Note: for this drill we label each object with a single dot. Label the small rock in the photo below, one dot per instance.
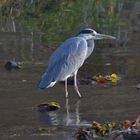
(24, 80)
(11, 64)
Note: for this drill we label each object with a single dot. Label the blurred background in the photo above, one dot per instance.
(33, 27)
(30, 30)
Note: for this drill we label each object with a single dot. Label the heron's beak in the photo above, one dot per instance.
(103, 36)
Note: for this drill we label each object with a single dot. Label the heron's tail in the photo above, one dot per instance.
(46, 81)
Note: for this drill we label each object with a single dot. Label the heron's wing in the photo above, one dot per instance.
(66, 59)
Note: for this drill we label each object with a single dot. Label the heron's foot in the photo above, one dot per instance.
(80, 96)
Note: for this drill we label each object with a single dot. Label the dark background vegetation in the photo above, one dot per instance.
(56, 20)
(32, 26)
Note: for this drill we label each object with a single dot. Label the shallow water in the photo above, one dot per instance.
(19, 95)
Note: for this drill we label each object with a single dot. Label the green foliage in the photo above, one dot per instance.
(60, 19)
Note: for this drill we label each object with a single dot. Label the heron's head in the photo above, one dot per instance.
(92, 34)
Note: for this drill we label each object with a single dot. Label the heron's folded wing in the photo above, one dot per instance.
(67, 58)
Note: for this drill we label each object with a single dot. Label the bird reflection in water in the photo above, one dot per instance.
(49, 118)
(59, 118)
(70, 119)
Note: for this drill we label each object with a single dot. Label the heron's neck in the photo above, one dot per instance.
(86, 36)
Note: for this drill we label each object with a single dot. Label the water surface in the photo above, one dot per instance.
(19, 95)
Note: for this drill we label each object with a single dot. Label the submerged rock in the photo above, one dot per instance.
(99, 79)
(85, 81)
(83, 134)
(47, 107)
(126, 130)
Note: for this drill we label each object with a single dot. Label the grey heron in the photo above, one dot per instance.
(69, 57)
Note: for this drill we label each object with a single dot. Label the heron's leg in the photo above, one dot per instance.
(66, 88)
(75, 84)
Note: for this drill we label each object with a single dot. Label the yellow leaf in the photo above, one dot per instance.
(114, 75)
